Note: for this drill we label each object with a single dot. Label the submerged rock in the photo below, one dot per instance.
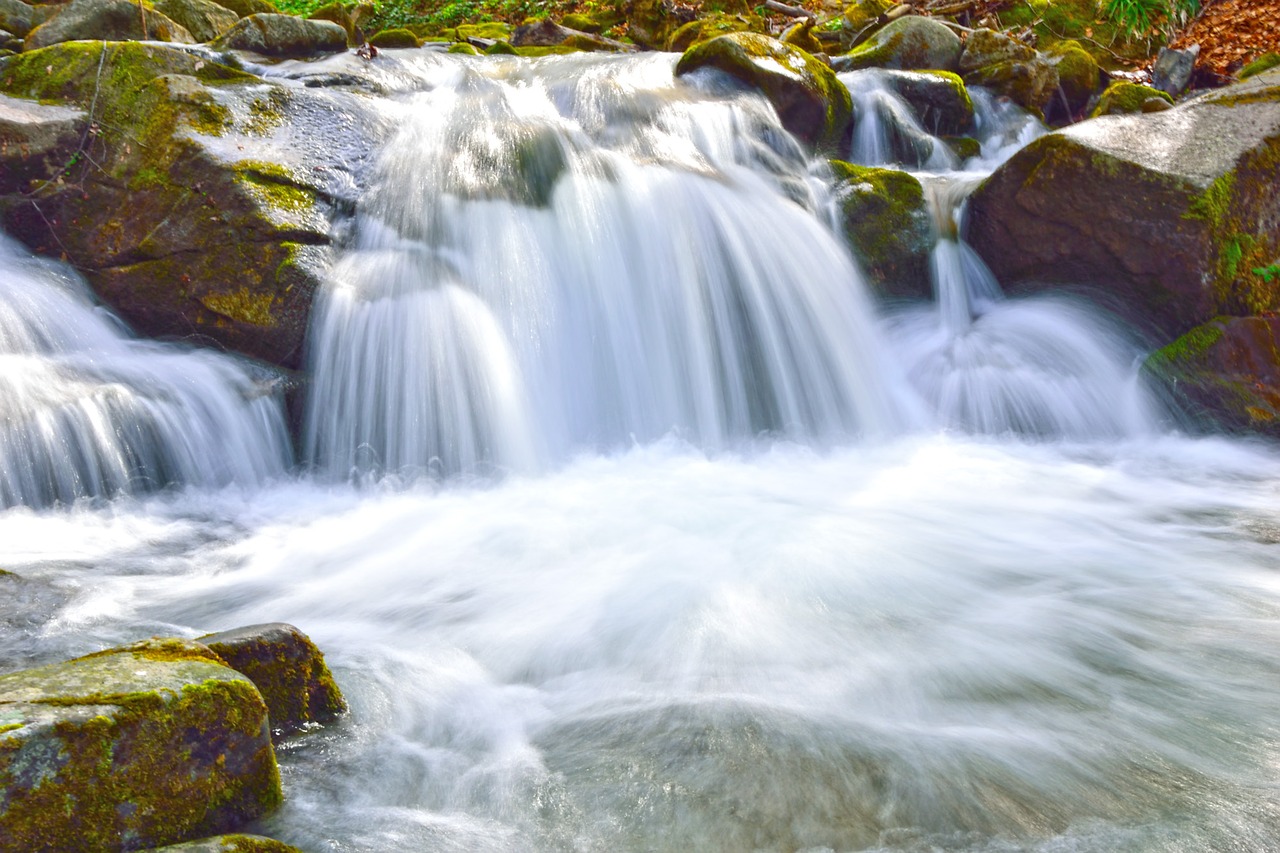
(229, 844)
(912, 43)
(113, 20)
(887, 222)
(288, 670)
(810, 101)
(283, 35)
(1169, 216)
(150, 744)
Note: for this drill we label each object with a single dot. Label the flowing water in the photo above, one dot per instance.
(630, 521)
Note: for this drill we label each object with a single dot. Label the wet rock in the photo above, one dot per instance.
(1173, 68)
(283, 35)
(212, 211)
(810, 101)
(36, 141)
(910, 43)
(113, 20)
(150, 744)
(204, 19)
(1169, 218)
(1124, 97)
(1227, 370)
(288, 670)
(16, 17)
(938, 98)
(1079, 78)
(229, 844)
(887, 223)
(988, 47)
(1030, 84)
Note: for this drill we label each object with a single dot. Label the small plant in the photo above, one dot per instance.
(1139, 18)
(1269, 272)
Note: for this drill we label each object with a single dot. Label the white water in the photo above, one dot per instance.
(658, 631)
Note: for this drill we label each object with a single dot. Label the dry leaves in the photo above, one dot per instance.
(1232, 33)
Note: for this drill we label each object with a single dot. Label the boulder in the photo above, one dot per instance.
(1167, 216)
(938, 98)
(229, 844)
(1030, 83)
(141, 746)
(211, 214)
(347, 17)
(245, 8)
(1078, 79)
(16, 17)
(909, 43)
(1173, 68)
(650, 23)
(1227, 370)
(283, 35)
(887, 223)
(1124, 97)
(712, 26)
(811, 103)
(37, 141)
(204, 19)
(987, 47)
(394, 38)
(112, 20)
(801, 35)
(288, 670)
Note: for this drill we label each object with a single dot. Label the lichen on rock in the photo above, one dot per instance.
(887, 223)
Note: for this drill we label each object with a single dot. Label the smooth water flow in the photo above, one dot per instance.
(768, 569)
(89, 412)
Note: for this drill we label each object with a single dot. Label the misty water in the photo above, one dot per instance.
(629, 519)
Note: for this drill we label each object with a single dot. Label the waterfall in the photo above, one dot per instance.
(88, 412)
(588, 260)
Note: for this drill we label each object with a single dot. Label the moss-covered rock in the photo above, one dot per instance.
(650, 23)
(939, 99)
(1123, 97)
(1263, 63)
(348, 17)
(283, 35)
(861, 14)
(801, 35)
(887, 223)
(463, 48)
(1170, 215)
(287, 669)
(491, 31)
(810, 101)
(547, 33)
(500, 48)
(1227, 370)
(150, 744)
(712, 26)
(229, 844)
(245, 8)
(909, 43)
(1030, 84)
(204, 19)
(1079, 75)
(394, 38)
(595, 21)
(988, 47)
(113, 20)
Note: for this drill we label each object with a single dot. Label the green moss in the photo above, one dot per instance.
(1055, 21)
(964, 147)
(888, 225)
(545, 50)
(1078, 72)
(8, 727)
(464, 48)
(909, 43)
(492, 30)
(861, 13)
(242, 306)
(275, 185)
(704, 29)
(394, 38)
(1125, 97)
(500, 48)
(1263, 63)
(1185, 350)
(266, 113)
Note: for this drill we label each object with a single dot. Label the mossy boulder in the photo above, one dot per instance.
(887, 223)
(36, 141)
(229, 844)
(1227, 370)
(650, 23)
(490, 31)
(283, 35)
(810, 101)
(594, 22)
(150, 744)
(939, 99)
(112, 20)
(463, 48)
(1263, 63)
(1167, 216)
(202, 208)
(910, 43)
(348, 17)
(288, 670)
(204, 19)
(16, 17)
(394, 38)
(1079, 76)
(801, 35)
(245, 8)
(501, 48)
(1030, 84)
(988, 47)
(712, 26)
(1123, 97)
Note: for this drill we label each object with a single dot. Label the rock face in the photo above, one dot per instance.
(205, 220)
(910, 43)
(114, 20)
(888, 224)
(288, 670)
(135, 747)
(36, 141)
(283, 35)
(1171, 217)
(810, 101)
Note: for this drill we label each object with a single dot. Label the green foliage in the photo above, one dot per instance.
(1138, 18)
(1268, 273)
(302, 8)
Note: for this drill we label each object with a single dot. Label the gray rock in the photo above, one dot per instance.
(1173, 69)
(16, 17)
(110, 20)
(204, 19)
(37, 141)
(1165, 216)
(1029, 83)
(283, 35)
(146, 745)
(288, 669)
(939, 99)
(909, 43)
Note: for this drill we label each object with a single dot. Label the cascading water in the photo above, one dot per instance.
(91, 413)
(930, 641)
